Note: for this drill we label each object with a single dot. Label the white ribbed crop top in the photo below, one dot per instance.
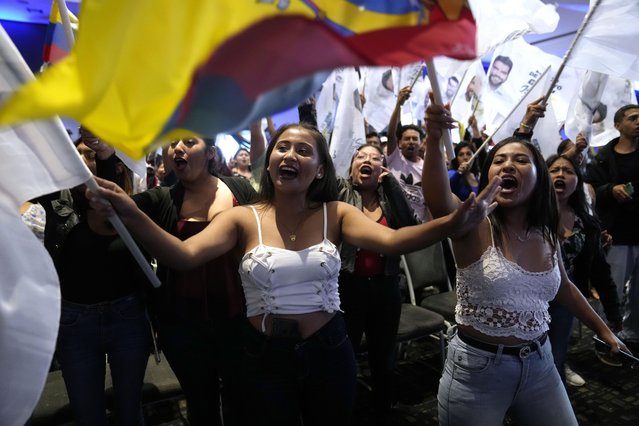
(281, 281)
(499, 298)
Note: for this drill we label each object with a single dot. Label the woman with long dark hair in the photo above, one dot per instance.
(369, 281)
(509, 268)
(298, 362)
(583, 256)
(197, 312)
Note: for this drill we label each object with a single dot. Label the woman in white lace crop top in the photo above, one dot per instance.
(289, 273)
(509, 268)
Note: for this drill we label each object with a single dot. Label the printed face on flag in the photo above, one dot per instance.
(499, 71)
(380, 96)
(515, 68)
(468, 102)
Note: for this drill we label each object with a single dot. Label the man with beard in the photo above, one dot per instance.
(405, 163)
(614, 174)
(502, 65)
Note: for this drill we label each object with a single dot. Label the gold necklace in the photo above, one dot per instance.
(292, 235)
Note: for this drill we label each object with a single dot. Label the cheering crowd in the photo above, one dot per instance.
(273, 268)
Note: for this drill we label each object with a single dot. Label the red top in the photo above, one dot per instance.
(212, 290)
(369, 263)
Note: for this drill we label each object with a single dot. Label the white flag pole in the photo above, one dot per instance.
(437, 95)
(581, 29)
(92, 184)
(128, 241)
(483, 145)
(66, 22)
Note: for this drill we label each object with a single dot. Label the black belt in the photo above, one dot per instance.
(521, 350)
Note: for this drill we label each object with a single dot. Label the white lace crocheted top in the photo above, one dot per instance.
(499, 298)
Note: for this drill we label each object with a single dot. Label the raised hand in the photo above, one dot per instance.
(535, 110)
(475, 209)
(437, 119)
(404, 94)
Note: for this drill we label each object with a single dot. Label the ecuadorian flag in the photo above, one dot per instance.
(56, 46)
(145, 71)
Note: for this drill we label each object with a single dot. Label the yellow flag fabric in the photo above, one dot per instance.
(134, 61)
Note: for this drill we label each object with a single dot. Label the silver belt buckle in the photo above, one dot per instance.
(525, 351)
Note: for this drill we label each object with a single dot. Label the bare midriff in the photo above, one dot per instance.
(495, 340)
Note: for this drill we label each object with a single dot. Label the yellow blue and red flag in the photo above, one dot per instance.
(163, 68)
(56, 45)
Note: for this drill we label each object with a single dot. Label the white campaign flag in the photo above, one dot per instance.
(449, 75)
(534, 90)
(609, 42)
(348, 131)
(546, 132)
(566, 87)
(381, 95)
(514, 68)
(37, 158)
(326, 104)
(584, 102)
(594, 105)
(500, 21)
(467, 101)
(414, 108)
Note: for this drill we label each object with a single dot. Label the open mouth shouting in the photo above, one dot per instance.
(288, 172)
(560, 185)
(508, 184)
(180, 163)
(365, 171)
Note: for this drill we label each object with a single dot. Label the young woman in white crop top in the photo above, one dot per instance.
(509, 268)
(298, 361)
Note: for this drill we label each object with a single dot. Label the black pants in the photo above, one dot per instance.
(373, 306)
(290, 381)
(201, 353)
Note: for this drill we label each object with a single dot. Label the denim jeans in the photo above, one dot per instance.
(373, 306)
(624, 266)
(288, 381)
(478, 387)
(561, 325)
(201, 353)
(118, 329)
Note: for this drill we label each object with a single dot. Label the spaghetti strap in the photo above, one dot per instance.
(324, 220)
(259, 226)
(492, 237)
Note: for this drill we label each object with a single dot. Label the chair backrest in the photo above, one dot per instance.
(425, 268)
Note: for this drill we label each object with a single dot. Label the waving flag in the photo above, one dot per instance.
(37, 158)
(213, 66)
(594, 105)
(56, 46)
(609, 42)
(349, 132)
(501, 21)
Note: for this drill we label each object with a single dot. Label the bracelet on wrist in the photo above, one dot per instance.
(524, 125)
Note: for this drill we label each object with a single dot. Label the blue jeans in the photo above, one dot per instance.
(624, 266)
(287, 380)
(120, 330)
(559, 335)
(478, 387)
